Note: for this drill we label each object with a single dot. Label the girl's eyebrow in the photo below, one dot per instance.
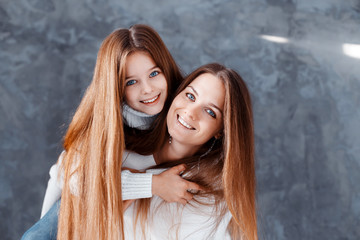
(153, 68)
(127, 77)
(211, 104)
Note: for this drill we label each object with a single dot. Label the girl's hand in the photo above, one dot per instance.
(171, 187)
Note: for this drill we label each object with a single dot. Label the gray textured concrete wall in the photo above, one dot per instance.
(306, 96)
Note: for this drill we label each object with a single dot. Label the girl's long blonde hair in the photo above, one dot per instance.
(228, 171)
(95, 140)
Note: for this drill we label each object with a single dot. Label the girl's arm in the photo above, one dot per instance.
(54, 187)
(135, 185)
(167, 184)
(53, 192)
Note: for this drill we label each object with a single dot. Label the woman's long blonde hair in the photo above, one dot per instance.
(228, 170)
(95, 140)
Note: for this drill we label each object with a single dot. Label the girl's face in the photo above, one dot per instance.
(145, 84)
(196, 114)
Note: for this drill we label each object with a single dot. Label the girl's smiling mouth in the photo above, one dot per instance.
(151, 100)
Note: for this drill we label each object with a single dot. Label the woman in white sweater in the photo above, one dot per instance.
(210, 129)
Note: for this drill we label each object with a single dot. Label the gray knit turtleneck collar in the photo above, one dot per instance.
(136, 119)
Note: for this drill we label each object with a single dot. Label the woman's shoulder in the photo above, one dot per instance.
(134, 160)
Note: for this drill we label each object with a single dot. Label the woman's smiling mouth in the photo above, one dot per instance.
(184, 123)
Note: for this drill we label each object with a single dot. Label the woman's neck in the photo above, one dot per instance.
(174, 151)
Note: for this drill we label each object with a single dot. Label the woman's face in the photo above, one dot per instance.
(196, 114)
(145, 84)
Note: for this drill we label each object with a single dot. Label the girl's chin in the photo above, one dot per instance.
(152, 111)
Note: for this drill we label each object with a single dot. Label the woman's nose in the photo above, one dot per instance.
(192, 111)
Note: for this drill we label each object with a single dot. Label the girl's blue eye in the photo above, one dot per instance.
(211, 113)
(190, 96)
(154, 73)
(130, 82)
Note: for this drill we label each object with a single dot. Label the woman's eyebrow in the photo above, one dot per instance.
(193, 90)
(214, 106)
(211, 104)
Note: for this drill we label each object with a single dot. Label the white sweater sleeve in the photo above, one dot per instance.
(137, 185)
(53, 190)
(134, 186)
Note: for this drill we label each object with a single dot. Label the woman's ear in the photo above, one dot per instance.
(218, 135)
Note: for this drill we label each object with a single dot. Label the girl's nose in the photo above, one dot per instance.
(146, 87)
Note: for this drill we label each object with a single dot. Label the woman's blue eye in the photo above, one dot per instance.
(211, 113)
(130, 82)
(154, 73)
(190, 96)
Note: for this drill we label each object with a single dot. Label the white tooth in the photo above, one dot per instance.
(185, 124)
(151, 100)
